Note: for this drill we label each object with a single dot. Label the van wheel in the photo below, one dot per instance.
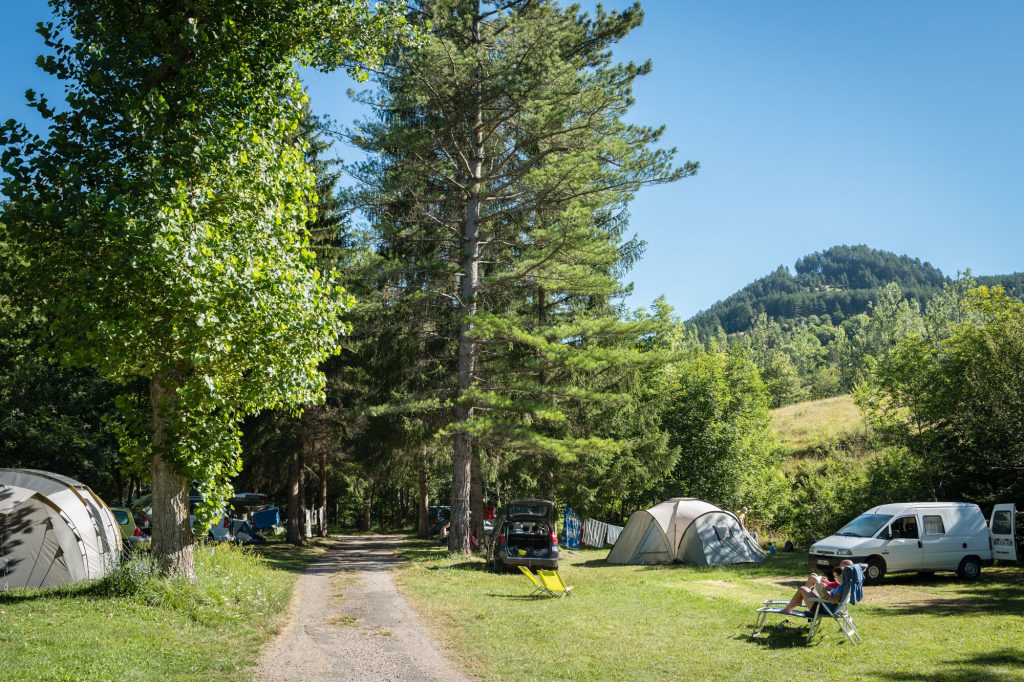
(970, 568)
(875, 572)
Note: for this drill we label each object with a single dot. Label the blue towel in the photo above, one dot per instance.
(857, 592)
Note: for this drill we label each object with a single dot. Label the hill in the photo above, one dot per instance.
(838, 282)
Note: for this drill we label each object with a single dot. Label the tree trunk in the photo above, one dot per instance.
(458, 538)
(476, 496)
(297, 496)
(322, 528)
(172, 531)
(422, 523)
(364, 522)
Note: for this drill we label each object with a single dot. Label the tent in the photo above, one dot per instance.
(53, 530)
(684, 529)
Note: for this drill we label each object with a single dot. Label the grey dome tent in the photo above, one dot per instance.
(684, 529)
(53, 530)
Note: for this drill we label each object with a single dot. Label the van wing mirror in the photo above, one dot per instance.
(886, 534)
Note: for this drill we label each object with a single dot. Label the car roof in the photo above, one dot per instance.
(900, 507)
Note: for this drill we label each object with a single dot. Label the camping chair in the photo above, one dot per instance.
(553, 583)
(538, 586)
(821, 608)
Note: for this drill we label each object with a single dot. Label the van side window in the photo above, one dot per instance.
(905, 527)
(933, 526)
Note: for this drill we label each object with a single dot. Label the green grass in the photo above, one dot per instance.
(131, 626)
(817, 426)
(694, 623)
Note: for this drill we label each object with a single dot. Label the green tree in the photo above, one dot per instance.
(161, 221)
(501, 144)
(955, 400)
(720, 421)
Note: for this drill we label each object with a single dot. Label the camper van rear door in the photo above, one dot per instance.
(1001, 528)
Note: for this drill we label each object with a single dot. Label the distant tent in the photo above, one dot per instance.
(53, 530)
(684, 529)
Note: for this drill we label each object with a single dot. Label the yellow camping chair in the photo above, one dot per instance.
(553, 583)
(538, 586)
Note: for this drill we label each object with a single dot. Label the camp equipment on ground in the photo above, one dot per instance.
(684, 529)
(53, 530)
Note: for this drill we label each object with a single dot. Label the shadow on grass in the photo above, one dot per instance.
(461, 566)
(282, 556)
(997, 665)
(775, 637)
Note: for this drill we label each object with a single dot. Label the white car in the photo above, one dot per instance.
(923, 537)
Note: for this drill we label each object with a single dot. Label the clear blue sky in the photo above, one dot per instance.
(893, 124)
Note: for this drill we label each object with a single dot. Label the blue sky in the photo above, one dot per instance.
(893, 124)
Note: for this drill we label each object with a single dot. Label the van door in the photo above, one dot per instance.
(903, 551)
(1001, 528)
(941, 553)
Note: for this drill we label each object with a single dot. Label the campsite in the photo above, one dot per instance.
(454, 340)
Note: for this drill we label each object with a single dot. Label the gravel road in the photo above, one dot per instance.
(347, 621)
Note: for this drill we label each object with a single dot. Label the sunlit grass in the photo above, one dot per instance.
(694, 623)
(134, 626)
(815, 426)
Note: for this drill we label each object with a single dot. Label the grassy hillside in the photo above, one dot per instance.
(816, 427)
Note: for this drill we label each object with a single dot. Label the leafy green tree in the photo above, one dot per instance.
(720, 421)
(500, 144)
(955, 402)
(160, 223)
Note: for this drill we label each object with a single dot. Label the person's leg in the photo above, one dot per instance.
(797, 599)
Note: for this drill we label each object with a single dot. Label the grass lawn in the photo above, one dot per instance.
(694, 623)
(130, 628)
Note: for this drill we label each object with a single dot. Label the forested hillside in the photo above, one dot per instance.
(839, 282)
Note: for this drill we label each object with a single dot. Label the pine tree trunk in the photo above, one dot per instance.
(458, 538)
(322, 528)
(171, 532)
(423, 522)
(364, 522)
(296, 496)
(476, 496)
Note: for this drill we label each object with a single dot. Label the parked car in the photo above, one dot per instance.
(921, 536)
(134, 528)
(437, 517)
(524, 535)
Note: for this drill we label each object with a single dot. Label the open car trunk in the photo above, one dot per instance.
(531, 539)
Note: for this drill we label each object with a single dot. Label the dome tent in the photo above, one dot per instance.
(53, 530)
(684, 529)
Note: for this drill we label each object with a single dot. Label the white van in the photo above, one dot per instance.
(923, 537)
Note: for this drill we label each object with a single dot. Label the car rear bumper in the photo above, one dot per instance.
(529, 562)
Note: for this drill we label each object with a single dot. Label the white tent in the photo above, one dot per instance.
(684, 529)
(53, 530)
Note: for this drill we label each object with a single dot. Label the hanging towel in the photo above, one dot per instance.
(613, 534)
(594, 532)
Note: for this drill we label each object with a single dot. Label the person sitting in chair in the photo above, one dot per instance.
(807, 594)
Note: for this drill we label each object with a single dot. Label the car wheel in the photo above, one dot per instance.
(970, 568)
(875, 572)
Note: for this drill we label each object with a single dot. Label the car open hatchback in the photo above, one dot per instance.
(524, 535)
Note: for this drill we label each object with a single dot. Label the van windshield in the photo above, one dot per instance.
(864, 526)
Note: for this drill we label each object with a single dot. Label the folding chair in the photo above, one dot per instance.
(853, 578)
(553, 583)
(538, 586)
(820, 609)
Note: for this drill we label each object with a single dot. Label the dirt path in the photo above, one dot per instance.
(347, 621)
